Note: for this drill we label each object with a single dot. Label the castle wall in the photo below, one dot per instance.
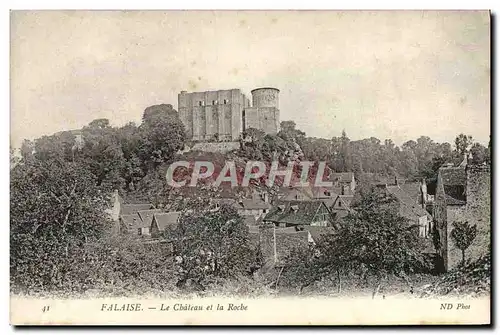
(222, 115)
(265, 97)
(211, 114)
(216, 146)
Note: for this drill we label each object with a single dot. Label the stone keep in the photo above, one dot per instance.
(223, 115)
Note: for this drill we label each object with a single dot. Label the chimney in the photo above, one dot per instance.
(265, 195)
(396, 181)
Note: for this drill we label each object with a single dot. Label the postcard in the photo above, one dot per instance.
(250, 167)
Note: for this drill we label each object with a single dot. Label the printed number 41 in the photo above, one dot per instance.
(45, 309)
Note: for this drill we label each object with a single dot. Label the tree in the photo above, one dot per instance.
(288, 131)
(55, 208)
(99, 124)
(102, 154)
(210, 245)
(480, 154)
(463, 234)
(462, 143)
(301, 268)
(57, 146)
(374, 236)
(14, 157)
(130, 140)
(163, 134)
(345, 152)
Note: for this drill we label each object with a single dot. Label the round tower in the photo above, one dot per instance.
(265, 97)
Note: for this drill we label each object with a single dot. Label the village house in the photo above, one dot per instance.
(344, 183)
(325, 194)
(462, 195)
(417, 191)
(257, 206)
(130, 224)
(146, 217)
(410, 209)
(127, 209)
(161, 221)
(298, 213)
(295, 194)
(381, 181)
(341, 207)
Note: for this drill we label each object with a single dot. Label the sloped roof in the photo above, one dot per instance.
(147, 216)
(329, 202)
(453, 175)
(380, 180)
(164, 220)
(252, 204)
(412, 189)
(338, 214)
(342, 177)
(317, 232)
(408, 208)
(452, 201)
(249, 220)
(303, 214)
(134, 208)
(324, 193)
(454, 180)
(455, 193)
(290, 193)
(346, 200)
(131, 221)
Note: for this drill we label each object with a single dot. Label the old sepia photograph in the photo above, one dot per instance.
(225, 167)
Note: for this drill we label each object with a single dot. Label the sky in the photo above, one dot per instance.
(397, 75)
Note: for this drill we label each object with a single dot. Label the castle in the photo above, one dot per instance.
(223, 115)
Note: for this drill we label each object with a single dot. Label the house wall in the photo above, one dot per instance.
(453, 254)
(255, 212)
(478, 209)
(424, 228)
(145, 231)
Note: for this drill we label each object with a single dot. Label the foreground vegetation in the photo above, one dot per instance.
(62, 241)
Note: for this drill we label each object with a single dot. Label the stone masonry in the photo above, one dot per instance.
(223, 115)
